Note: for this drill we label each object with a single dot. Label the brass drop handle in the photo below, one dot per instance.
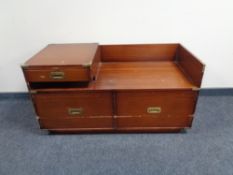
(75, 111)
(154, 110)
(57, 75)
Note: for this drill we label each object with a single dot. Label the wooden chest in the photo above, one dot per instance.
(114, 88)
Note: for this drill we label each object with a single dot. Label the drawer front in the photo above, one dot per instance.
(162, 121)
(77, 123)
(156, 103)
(73, 104)
(61, 75)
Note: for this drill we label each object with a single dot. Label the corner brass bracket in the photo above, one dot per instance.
(33, 92)
(24, 65)
(195, 89)
(87, 64)
(203, 69)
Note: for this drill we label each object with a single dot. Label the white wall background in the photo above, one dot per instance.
(204, 26)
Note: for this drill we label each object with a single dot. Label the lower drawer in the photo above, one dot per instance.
(156, 103)
(118, 122)
(73, 104)
(162, 121)
(71, 123)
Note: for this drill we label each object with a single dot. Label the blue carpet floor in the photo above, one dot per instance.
(205, 149)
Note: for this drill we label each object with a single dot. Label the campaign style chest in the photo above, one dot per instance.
(114, 88)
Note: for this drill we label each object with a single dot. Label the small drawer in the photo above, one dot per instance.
(57, 75)
(156, 103)
(73, 104)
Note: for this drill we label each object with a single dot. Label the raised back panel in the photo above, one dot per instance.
(139, 52)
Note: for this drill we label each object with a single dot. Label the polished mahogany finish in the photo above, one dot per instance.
(70, 74)
(57, 105)
(172, 103)
(139, 52)
(141, 75)
(64, 55)
(114, 88)
(191, 66)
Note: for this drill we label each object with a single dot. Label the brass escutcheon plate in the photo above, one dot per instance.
(75, 111)
(154, 110)
(57, 75)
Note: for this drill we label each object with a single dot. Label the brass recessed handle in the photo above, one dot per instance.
(154, 110)
(75, 111)
(57, 75)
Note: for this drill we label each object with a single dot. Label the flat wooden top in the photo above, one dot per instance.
(64, 54)
(140, 75)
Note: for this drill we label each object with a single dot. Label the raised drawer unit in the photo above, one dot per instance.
(63, 63)
(114, 88)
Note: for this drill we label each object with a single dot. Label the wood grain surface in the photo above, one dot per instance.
(141, 75)
(192, 67)
(172, 103)
(138, 52)
(70, 74)
(64, 54)
(57, 105)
